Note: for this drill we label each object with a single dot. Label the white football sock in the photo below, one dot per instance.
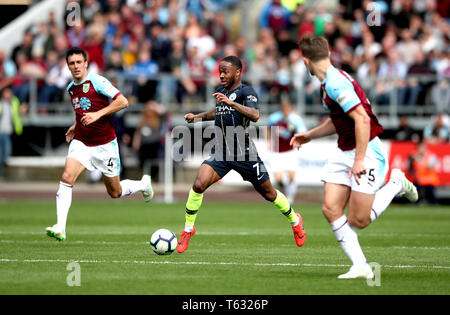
(63, 202)
(291, 190)
(130, 187)
(383, 198)
(348, 239)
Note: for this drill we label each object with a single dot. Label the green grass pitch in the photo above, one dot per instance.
(239, 249)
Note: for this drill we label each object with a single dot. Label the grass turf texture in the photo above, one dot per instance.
(240, 248)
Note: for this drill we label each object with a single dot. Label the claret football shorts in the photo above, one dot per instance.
(104, 158)
(376, 163)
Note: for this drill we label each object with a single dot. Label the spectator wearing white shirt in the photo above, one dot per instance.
(392, 74)
(205, 44)
(407, 48)
(56, 79)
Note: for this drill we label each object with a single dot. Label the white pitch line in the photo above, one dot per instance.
(224, 244)
(8, 260)
(421, 247)
(73, 242)
(236, 233)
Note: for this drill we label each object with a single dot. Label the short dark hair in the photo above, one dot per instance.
(75, 51)
(314, 47)
(235, 61)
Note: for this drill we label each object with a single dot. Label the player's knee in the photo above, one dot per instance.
(114, 193)
(67, 178)
(328, 212)
(199, 186)
(270, 194)
(359, 221)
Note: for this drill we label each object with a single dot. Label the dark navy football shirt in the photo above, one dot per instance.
(232, 128)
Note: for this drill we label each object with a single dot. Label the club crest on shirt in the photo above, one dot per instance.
(86, 87)
(232, 97)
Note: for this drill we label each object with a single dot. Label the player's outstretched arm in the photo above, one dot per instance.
(323, 130)
(299, 139)
(209, 115)
(119, 103)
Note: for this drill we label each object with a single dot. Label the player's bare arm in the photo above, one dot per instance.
(325, 129)
(209, 115)
(70, 133)
(116, 105)
(362, 136)
(249, 112)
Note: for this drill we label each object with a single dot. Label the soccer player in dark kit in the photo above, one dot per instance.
(236, 106)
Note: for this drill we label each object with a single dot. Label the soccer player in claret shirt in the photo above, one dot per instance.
(357, 169)
(236, 106)
(92, 138)
(283, 124)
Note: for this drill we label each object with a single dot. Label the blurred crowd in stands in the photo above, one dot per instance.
(398, 50)
(408, 54)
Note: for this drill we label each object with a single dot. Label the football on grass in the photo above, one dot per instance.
(163, 242)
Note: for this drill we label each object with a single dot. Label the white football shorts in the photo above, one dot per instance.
(283, 161)
(104, 158)
(376, 162)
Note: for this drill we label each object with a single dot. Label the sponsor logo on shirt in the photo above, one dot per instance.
(345, 97)
(85, 103)
(224, 109)
(76, 102)
(252, 98)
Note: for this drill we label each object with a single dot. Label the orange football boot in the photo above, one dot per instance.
(299, 232)
(184, 239)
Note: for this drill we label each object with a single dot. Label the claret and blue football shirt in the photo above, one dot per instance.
(91, 95)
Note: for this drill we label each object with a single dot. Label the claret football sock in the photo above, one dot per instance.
(192, 205)
(282, 203)
(63, 202)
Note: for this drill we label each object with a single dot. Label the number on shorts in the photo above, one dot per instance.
(257, 168)
(371, 175)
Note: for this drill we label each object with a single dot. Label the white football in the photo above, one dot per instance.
(163, 242)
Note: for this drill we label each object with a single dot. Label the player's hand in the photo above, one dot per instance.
(70, 133)
(357, 170)
(89, 118)
(222, 98)
(299, 139)
(189, 117)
